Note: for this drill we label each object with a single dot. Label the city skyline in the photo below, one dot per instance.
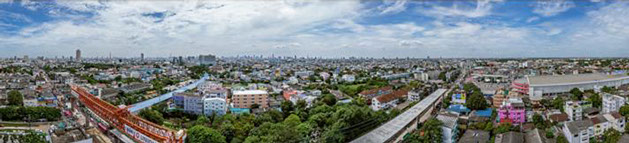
(485, 29)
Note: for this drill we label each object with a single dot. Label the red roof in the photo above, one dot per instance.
(374, 91)
(391, 96)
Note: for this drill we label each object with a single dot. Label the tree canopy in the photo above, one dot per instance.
(202, 134)
(15, 98)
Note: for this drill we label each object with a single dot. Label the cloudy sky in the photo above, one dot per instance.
(463, 28)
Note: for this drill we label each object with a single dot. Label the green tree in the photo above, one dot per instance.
(596, 100)
(549, 134)
(301, 104)
(561, 139)
(432, 132)
(15, 98)
(624, 110)
(152, 115)
(202, 120)
(202, 134)
(476, 101)
(627, 127)
(255, 106)
(538, 120)
(292, 121)
(329, 99)
(558, 103)
(287, 107)
(607, 89)
(611, 136)
(442, 76)
(576, 94)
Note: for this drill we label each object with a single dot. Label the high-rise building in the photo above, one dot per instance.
(78, 54)
(207, 60)
(142, 56)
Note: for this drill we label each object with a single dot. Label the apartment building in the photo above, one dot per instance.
(246, 98)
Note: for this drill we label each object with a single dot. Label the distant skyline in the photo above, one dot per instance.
(484, 28)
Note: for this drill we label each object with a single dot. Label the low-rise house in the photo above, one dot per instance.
(388, 100)
(579, 131)
(616, 121)
(600, 124)
(136, 87)
(449, 128)
(474, 136)
(510, 137)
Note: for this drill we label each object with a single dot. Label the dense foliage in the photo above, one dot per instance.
(475, 101)
(152, 115)
(296, 123)
(19, 113)
(429, 132)
(15, 98)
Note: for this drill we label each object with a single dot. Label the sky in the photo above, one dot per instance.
(331, 29)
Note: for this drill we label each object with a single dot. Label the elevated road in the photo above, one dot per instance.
(395, 129)
(148, 103)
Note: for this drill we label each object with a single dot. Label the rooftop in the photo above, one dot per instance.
(250, 92)
(572, 79)
(474, 136)
(577, 126)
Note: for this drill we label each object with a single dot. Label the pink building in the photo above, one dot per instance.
(512, 110)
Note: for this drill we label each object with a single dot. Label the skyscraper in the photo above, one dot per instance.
(78, 54)
(142, 56)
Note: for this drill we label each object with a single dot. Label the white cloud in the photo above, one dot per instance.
(552, 7)
(531, 19)
(390, 7)
(483, 8)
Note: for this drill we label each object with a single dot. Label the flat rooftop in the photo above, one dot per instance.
(571, 79)
(390, 128)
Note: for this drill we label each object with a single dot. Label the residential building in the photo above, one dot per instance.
(449, 127)
(348, 78)
(612, 102)
(579, 131)
(512, 110)
(214, 98)
(190, 102)
(574, 109)
(246, 98)
(510, 137)
(600, 125)
(475, 136)
(135, 87)
(458, 98)
(616, 121)
(388, 100)
(415, 95)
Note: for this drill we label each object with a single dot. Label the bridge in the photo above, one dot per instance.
(138, 129)
(395, 129)
(148, 103)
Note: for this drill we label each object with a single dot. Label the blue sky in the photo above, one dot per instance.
(483, 28)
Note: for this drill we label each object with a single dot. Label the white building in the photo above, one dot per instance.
(574, 110)
(449, 128)
(616, 121)
(579, 131)
(612, 102)
(348, 78)
(538, 86)
(414, 95)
